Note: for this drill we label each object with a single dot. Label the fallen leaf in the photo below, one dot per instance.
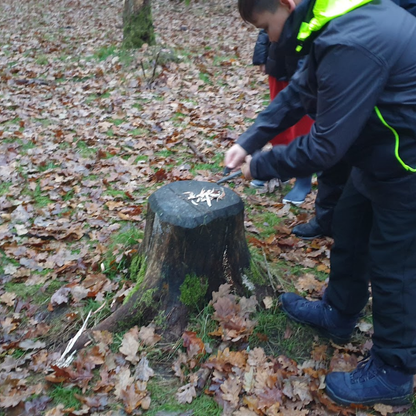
(8, 298)
(130, 345)
(268, 302)
(148, 337)
(186, 394)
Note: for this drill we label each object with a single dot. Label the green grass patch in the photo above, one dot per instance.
(104, 52)
(266, 223)
(42, 60)
(65, 395)
(163, 390)
(41, 200)
(271, 333)
(205, 77)
(164, 153)
(125, 57)
(34, 293)
(139, 132)
(115, 193)
(126, 238)
(85, 150)
(43, 167)
(26, 147)
(140, 158)
(203, 323)
(117, 122)
(4, 187)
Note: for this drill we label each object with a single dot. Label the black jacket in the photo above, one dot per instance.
(278, 66)
(363, 59)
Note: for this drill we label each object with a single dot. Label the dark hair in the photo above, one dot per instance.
(248, 8)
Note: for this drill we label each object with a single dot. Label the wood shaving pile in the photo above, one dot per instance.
(206, 196)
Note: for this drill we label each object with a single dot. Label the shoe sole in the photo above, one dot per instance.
(323, 332)
(297, 203)
(394, 401)
(312, 237)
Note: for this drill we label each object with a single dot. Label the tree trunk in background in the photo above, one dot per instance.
(137, 23)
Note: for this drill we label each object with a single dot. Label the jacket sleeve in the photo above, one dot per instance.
(261, 49)
(283, 112)
(349, 82)
(409, 5)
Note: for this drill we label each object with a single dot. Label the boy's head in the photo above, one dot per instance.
(269, 15)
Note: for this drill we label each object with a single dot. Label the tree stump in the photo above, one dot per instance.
(190, 248)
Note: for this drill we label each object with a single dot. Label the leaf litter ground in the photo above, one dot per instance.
(87, 132)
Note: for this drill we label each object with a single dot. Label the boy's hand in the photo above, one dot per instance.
(235, 157)
(262, 68)
(246, 168)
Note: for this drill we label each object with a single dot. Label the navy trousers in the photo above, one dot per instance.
(331, 183)
(377, 246)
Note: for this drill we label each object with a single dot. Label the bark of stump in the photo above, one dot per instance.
(182, 239)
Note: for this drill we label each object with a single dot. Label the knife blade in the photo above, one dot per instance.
(229, 177)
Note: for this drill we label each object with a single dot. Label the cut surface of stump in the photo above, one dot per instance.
(194, 241)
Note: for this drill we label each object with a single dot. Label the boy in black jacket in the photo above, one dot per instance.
(280, 69)
(359, 80)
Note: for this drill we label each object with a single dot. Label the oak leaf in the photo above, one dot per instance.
(148, 337)
(8, 298)
(130, 345)
(186, 394)
(123, 380)
(131, 398)
(143, 370)
(243, 411)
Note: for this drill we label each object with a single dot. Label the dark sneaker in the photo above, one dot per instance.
(370, 383)
(256, 183)
(308, 231)
(320, 315)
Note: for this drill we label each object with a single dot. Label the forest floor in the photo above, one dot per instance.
(88, 131)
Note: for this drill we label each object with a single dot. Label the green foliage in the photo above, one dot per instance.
(193, 291)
